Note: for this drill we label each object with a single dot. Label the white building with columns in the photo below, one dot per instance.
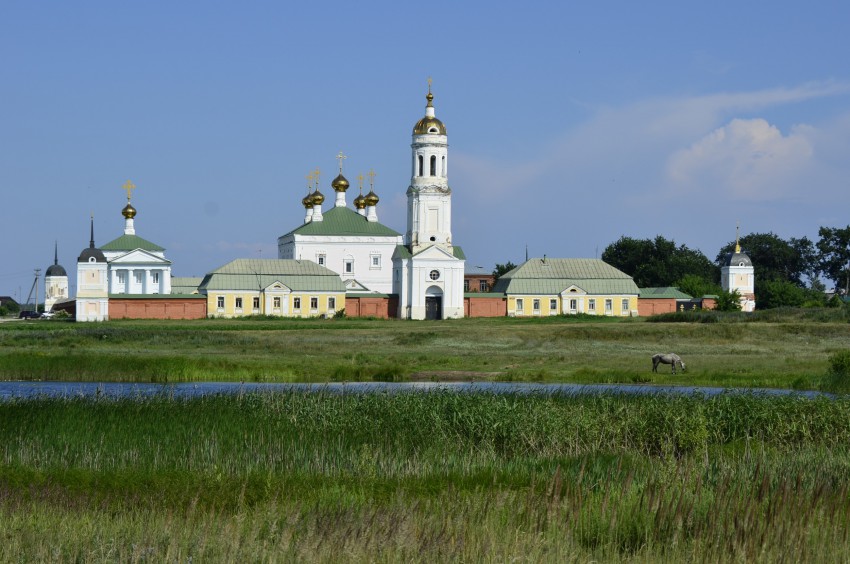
(135, 265)
(428, 267)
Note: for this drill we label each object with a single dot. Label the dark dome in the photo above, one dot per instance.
(737, 259)
(55, 270)
(91, 253)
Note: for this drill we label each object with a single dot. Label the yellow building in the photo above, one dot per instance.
(277, 287)
(541, 287)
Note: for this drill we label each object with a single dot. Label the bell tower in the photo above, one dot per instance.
(429, 198)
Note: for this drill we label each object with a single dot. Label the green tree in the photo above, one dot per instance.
(658, 262)
(728, 301)
(502, 269)
(834, 254)
(778, 293)
(775, 258)
(697, 286)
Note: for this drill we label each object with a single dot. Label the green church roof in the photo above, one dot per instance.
(258, 274)
(131, 243)
(549, 276)
(342, 221)
(666, 292)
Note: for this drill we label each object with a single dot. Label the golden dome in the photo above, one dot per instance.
(429, 125)
(307, 201)
(371, 199)
(317, 198)
(360, 202)
(129, 211)
(340, 184)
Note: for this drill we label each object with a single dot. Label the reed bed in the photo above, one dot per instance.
(425, 477)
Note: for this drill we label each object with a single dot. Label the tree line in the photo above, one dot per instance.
(787, 272)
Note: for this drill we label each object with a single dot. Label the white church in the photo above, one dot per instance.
(424, 269)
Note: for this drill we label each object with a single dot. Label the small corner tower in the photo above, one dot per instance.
(55, 281)
(737, 273)
(92, 283)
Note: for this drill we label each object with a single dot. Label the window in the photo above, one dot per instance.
(591, 305)
(256, 303)
(122, 277)
(376, 261)
(609, 306)
(314, 303)
(553, 304)
(276, 303)
(434, 274)
(483, 286)
(433, 165)
(444, 167)
(296, 303)
(348, 266)
(238, 303)
(331, 303)
(155, 277)
(420, 165)
(219, 302)
(535, 305)
(519, 306)
(573, 305)
(465, 284)
(138, 276)
(320, 259)
(625, 306)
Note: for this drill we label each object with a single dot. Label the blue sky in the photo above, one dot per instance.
(570, 123)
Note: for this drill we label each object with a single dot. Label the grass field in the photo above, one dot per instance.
(783, 350)
(427, 477)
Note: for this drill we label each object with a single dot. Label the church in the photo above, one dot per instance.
(423, 269)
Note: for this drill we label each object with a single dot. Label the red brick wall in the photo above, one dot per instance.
(381, 307)
(654, 306)
(159, 308)
(474, 281)
(709, 303)
(485, 307)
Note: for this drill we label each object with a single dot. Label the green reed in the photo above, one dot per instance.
(424, 477)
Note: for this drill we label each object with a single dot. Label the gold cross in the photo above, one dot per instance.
(429, 85)
(360, 178)
(372, 176)
(309, 178)
(129, 187)
(340, 157)
(316, 175)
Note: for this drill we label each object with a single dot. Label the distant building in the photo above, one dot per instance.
(477, 279)
(737, 273)
(55, 282)
(546, 286)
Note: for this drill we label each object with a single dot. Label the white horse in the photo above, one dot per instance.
(668, 358)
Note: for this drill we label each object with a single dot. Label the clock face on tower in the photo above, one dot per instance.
(434, 274)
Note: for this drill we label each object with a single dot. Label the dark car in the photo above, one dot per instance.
(29, 314)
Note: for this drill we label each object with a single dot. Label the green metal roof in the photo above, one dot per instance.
(185, 284)
(155, 296)
(258, 274)
(552, 276)
(402, 251)
(344, 221)
(131, 243)
(666, 292)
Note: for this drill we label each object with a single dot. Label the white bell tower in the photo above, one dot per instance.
(429, 198)
(428, 268)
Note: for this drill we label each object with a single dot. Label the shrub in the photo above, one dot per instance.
(838, 380)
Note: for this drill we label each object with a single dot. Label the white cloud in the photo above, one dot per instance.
(746, 159)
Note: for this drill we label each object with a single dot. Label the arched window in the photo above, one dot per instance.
(444, 166)
(420, 165)
(433, 165)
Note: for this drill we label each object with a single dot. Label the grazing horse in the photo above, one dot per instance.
(668, 358)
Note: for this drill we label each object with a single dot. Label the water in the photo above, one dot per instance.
(9, 390)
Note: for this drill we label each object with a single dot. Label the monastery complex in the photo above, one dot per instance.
(342, 258)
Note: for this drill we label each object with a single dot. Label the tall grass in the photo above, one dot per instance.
(424, 477)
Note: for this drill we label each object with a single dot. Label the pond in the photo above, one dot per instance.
(21, 389)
